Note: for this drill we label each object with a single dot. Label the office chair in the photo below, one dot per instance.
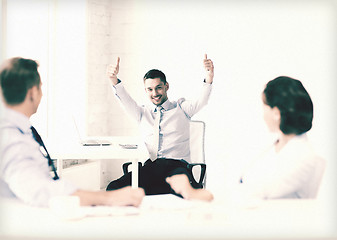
(197, 151)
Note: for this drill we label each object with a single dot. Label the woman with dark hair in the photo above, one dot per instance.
(287, 169)
(294, 103)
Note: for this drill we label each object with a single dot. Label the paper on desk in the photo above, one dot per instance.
(68, 208)
(168, 202)
(101, 211)
(184, 210)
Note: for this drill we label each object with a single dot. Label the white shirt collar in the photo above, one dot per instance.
(166, 106)
(17, 119)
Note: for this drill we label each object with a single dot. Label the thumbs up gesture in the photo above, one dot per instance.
(209, 67)
(112, 71)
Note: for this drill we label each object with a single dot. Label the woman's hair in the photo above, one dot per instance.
(294, 103)
(155, 73)
(17, 76)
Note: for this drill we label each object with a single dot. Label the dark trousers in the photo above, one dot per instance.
(152, 175)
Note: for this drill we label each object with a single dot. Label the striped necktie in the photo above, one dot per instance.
(154, 150)
(38, 138)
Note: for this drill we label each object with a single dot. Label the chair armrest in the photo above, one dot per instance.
(202, 173)
(126, 165)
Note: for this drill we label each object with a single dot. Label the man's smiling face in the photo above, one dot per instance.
(156, 90)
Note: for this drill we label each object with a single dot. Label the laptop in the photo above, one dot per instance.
(90, 141)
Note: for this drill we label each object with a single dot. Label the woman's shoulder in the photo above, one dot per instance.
(299, 148)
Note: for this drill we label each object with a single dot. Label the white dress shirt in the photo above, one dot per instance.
(174, 125)
(24, 171)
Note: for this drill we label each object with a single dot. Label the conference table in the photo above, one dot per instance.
(170, 217)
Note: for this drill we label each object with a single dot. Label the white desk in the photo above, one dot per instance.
(74, 150)
(162, 217)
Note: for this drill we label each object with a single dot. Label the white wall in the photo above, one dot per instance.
(53, 32)
(20, 39)
(68, 71)
(250, 42)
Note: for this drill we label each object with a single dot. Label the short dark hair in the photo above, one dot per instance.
(155, 73)
(294, 103)
(17, 76)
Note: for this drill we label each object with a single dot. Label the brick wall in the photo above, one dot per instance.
(109, 25)
(109, 28)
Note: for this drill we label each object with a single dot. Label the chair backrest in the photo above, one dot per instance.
(197, 145)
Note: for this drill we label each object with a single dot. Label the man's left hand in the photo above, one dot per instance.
(209, 67)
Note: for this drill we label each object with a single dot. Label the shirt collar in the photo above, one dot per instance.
(166, 106)
(17, 119)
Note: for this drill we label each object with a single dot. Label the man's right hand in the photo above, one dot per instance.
(112, 71)
(126, 196)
